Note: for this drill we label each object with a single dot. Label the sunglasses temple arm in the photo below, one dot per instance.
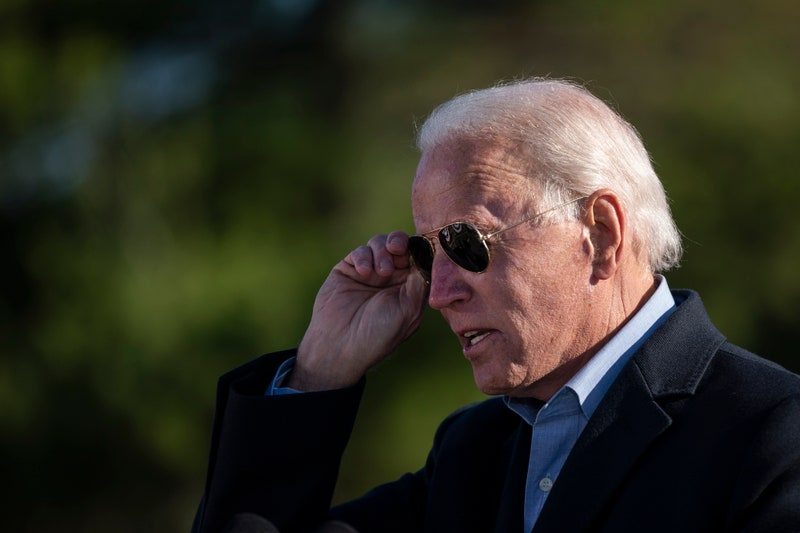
(537, 215)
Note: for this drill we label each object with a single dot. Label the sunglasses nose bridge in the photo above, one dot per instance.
(440, 257)
(435, 254)
(447, 283)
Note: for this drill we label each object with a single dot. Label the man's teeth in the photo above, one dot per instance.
(474, 337)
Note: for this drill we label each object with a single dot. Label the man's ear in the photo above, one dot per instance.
(605, 219)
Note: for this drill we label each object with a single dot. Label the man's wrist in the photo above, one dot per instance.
(318, 381)
(319, 375)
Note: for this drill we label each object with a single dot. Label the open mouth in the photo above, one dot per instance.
(475, 336)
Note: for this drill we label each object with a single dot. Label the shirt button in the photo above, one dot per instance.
(545, 484)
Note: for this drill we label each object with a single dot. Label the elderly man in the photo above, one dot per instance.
(542, 230)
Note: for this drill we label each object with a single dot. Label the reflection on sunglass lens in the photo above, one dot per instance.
(463, 244)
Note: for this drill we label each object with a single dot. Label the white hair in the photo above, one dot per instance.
(576, 145)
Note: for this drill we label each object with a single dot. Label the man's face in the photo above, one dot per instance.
(532, 306)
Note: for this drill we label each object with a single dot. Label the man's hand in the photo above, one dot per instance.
(370, 303)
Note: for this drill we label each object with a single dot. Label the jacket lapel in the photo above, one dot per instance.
(624, 425)
(670, 364)
(512, 497)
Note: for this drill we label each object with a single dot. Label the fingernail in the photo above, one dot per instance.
(386, 264)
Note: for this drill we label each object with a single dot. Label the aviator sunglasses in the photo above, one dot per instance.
(463, 243)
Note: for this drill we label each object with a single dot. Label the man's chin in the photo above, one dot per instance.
(490, 384)
(493, 384)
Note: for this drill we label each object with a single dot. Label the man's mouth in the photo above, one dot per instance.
(475, 336)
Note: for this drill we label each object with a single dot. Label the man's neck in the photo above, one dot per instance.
(624, 300)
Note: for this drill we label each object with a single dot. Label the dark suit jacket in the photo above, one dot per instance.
(695, 434)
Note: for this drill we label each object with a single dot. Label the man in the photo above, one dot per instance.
(619, 407)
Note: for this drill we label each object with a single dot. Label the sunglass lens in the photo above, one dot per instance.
(463, 244)
(421, 253)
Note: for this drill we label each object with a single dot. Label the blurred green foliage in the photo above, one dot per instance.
(177, 178)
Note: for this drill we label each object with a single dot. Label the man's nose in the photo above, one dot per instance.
(448, 285)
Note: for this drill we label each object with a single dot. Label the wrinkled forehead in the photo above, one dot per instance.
(465, 179)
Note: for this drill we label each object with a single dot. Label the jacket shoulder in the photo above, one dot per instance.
(746, 371)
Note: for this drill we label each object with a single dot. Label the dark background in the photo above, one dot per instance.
(177, 178)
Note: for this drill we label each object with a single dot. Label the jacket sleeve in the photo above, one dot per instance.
(400, 506)
(286, 476)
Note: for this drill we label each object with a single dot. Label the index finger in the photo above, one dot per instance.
(397, 243)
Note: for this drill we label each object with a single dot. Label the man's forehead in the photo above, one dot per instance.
(478, 164)
(459, 179)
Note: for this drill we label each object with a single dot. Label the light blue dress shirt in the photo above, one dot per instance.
(558, 423)
(276, 388)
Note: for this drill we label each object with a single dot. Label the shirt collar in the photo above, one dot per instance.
(609, 360)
